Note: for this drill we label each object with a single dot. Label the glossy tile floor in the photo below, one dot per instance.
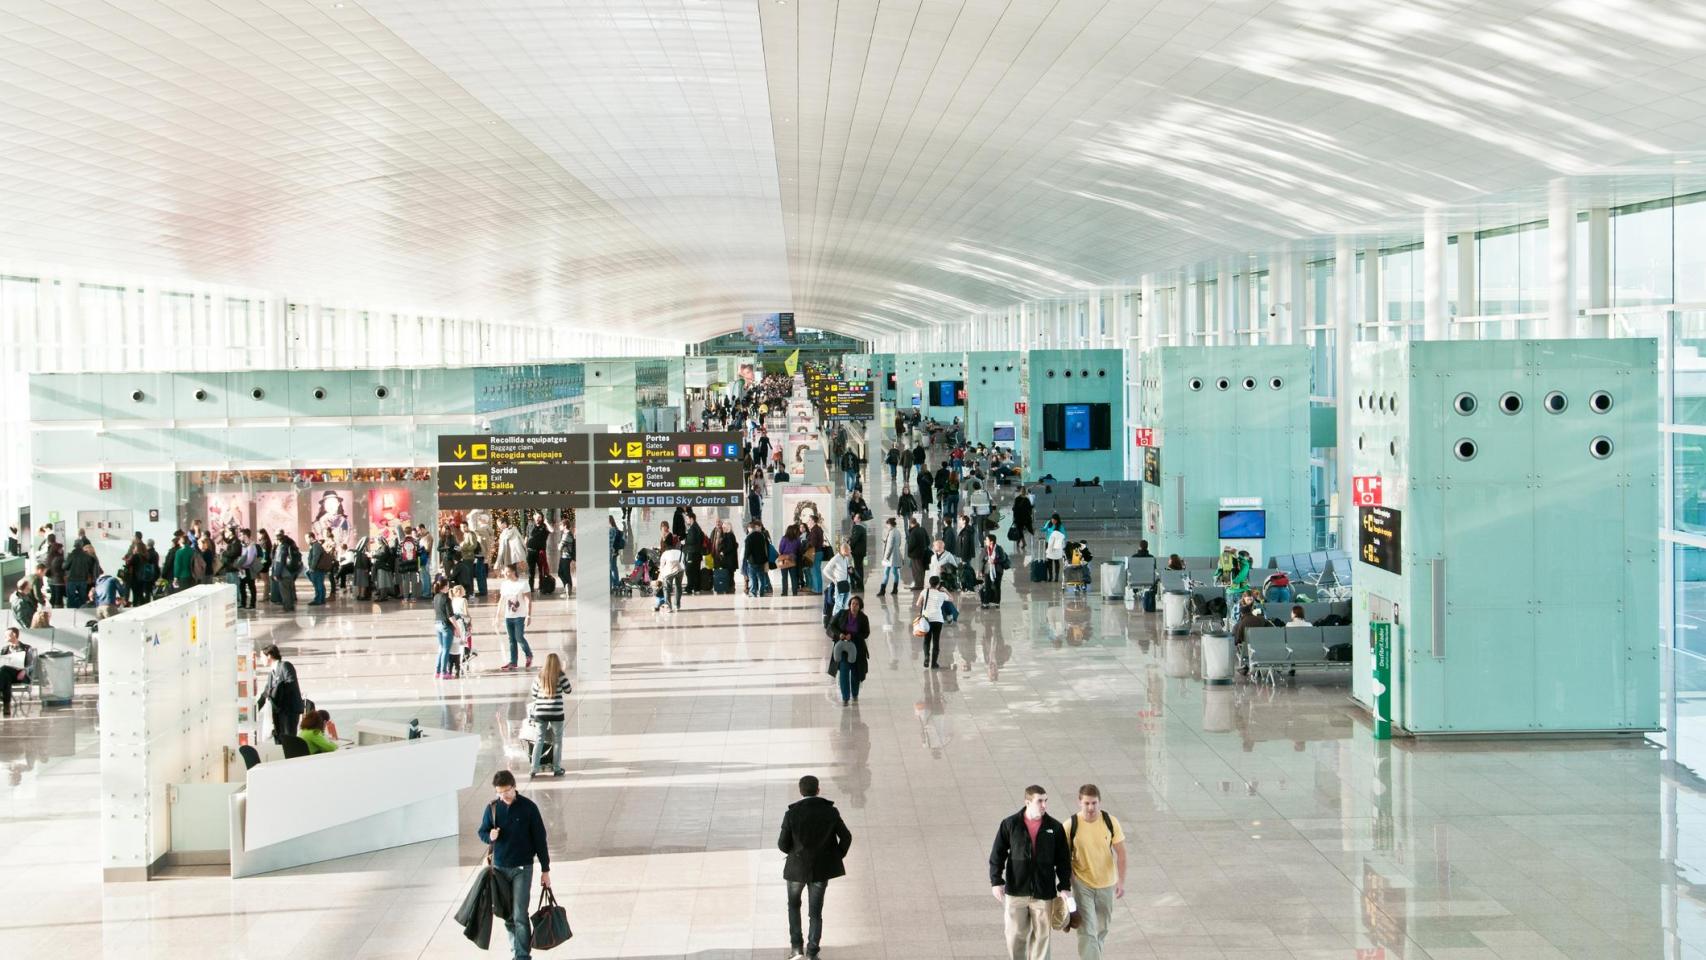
(1265, 823)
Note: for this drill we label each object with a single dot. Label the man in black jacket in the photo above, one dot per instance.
(693, 552)
(918, 551)
(284, 692)
(856, 541)
(1029, 866)
(516, 832)
(538, 536)
(816, 842)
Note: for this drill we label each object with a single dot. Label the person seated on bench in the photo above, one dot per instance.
(1175, 562)
(15, 648)
(1143, 550)
(1297, 618)
(1251, 617)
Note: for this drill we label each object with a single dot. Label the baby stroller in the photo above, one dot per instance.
(1075, 573)
(462, 651)
(640, 577)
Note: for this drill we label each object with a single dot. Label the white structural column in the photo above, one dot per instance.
(1561, 262)
(1344, 342)
(1226, 296)
(1189, 312)
(1468, 300)
(1092, 320)
(1436, 324)
(1149, 316)
(1286, 298)
(1599, 271)
(1371, 314)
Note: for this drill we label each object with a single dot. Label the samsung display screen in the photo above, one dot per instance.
(1243, 524)
(1004, 434)
(1076, 426)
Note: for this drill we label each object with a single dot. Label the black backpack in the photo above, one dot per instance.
(1072, 829)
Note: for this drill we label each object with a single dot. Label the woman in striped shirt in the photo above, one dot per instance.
(549, 688)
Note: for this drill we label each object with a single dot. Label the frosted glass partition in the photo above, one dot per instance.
(169, 705)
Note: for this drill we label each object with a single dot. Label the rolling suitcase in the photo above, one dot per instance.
(547, 583)
(1039, 571)
(723, 581)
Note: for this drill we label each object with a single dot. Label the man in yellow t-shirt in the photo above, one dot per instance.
(1098, 869)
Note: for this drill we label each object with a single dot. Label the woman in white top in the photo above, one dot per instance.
(930, 605)
(839, 572)
(891, 556)
(671, 566)
(515, 606)
(1055, 552)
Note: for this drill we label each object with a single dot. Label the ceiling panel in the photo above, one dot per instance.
(873, 164)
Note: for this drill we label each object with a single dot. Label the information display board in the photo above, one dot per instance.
(583, 470)
(847, 400)
(1380, 538)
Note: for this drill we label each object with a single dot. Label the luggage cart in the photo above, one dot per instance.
(1075, 577)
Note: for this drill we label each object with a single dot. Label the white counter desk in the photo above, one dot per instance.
(386, 791)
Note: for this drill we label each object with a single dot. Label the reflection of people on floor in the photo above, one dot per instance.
(853, 756)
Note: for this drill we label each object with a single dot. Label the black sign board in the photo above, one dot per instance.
(525, 448)
(1152, 465)
(847, 400)
(513, 478)
(665, 476)
(619, 447)
(1380, 538)
(670, 498)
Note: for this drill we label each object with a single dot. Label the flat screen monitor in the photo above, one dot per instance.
(891, 381)
(947, 393)
(1005, 434)
(1077, 426)
(1243, 524)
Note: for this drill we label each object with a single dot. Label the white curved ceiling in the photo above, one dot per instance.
(669, 164)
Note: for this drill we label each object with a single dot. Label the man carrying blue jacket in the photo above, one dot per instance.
(516, 832)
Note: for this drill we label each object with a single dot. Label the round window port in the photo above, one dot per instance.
(1359, 441)
(1556, 402)
(1195, 384)
(1392, 403)
(1464, 449)
(1051, 374)
(1249, 383)
(1464, 404)
(1510, 404)
(319, 393)
(1069, 374)
(1276, 383)
(1222, 383)
(1380, 404)
(257, 393)
(1101, 373)
(136, 396)
(201, 394)
(1359, 401)
(1600, 447)
(1392, 448)
(1084, 373)
(382, 392)
(1600, 402)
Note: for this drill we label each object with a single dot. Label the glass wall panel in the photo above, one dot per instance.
(1689, 227)
(1688, 367)
(1641, 257)
(1690, 599)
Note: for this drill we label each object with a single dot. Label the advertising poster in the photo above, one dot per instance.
(275, 510)
(227, 510)
(331, 513)
(388, 507)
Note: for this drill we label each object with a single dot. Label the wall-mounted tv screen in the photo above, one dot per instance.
(891, 380)
(1243, 524)
(947, 393)
(1077, 426)
(1004, 433)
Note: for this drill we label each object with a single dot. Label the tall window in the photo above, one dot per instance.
(1641, 255)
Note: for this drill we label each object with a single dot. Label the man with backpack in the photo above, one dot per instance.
(1098, 869)
(247, 560)
(408, 565)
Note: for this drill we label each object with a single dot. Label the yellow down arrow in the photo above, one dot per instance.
(461, 482)
(615, 449)
(616, 480)
(460, 452)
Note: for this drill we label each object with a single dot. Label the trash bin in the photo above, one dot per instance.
(1113, 580)
(58, 668)
(1176, 611)
(1218, 658)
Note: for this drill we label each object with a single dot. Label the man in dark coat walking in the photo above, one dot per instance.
(816, 842)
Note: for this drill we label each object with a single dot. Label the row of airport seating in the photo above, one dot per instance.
(1268, 650)
(1112, 499)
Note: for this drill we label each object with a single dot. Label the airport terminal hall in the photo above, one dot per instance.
(853, 479)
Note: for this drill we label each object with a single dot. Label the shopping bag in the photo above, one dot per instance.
(921, 627)
(550, 923)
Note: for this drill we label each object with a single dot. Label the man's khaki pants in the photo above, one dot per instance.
(1027, 928)
(1095, 910)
